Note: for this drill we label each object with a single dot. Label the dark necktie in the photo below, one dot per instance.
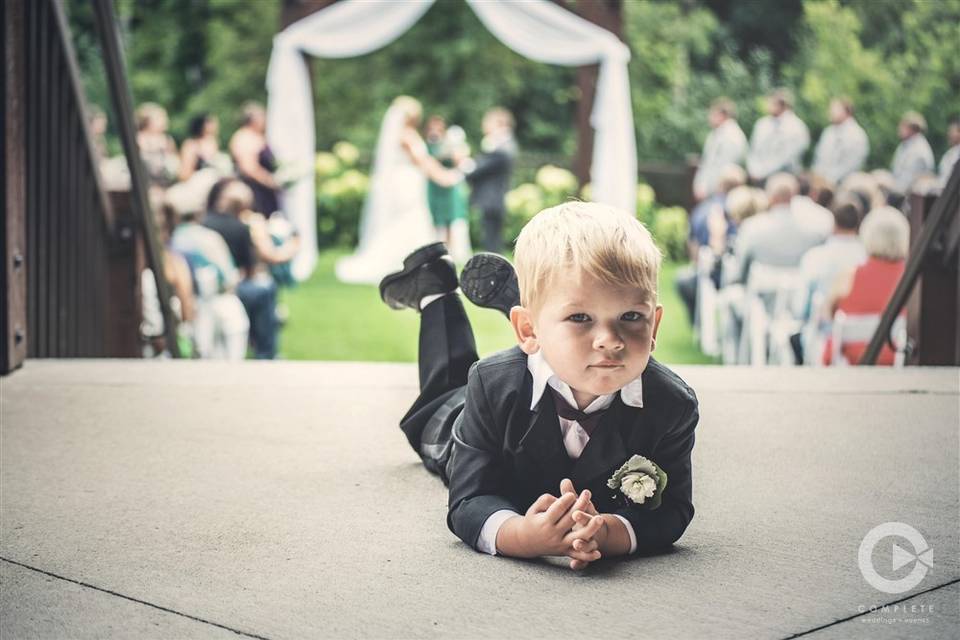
(587, 421)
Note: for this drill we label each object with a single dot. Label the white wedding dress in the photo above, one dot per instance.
(396, 217)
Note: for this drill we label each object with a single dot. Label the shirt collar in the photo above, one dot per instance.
(542, 372)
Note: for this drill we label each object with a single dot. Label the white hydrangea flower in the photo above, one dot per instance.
(638, 487)
(640, 480)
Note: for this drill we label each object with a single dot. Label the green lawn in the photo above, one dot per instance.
(334, 321)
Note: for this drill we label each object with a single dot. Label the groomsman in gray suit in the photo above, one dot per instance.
(913, 157)
(778, 140)
(725, 145)
(843, 146)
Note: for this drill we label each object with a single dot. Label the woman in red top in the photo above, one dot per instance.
(867, 289)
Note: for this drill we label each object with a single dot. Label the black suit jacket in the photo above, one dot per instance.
(490, 180)
(505, 456)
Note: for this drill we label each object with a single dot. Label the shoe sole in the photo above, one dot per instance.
(411, 263)
(488, 280)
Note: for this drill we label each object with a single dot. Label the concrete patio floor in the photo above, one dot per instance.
(279, 500)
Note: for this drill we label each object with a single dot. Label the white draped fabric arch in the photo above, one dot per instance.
(537, 29)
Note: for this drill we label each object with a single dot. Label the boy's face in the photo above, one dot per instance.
(596, 336)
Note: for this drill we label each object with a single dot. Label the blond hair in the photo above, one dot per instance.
(585, 237)
(147, 112)
(886, 234)
(743, 202)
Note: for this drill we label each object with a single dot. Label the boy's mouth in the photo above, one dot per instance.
(607, 364)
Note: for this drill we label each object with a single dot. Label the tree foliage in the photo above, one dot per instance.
(887, 55)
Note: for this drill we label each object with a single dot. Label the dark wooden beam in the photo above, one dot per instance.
(122, 98)
(607, 14)
(294, 10)
(13, 298)
(934, 316)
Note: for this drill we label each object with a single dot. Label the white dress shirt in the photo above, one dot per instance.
(575, 439)
(777, 144)
(912, 159)
(725, 145)
(842, 149)
(946, 164)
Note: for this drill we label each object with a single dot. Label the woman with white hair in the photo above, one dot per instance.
(868, 288)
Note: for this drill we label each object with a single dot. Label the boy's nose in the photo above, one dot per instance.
(607, 340)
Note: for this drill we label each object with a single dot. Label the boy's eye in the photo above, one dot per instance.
(632, 316)
(579, 317)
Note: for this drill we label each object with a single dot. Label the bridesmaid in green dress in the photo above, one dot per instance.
(448, 205)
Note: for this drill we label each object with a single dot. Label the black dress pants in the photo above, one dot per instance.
(493, 229)
(446, 352)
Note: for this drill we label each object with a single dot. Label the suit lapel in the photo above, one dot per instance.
(606, 448)
(543, 441)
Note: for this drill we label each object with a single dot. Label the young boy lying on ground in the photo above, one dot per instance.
(577, 405)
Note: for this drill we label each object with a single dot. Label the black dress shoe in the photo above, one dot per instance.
(489, 280)
(427, 271)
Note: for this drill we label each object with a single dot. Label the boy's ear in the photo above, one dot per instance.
(657, 316)
(522, 322)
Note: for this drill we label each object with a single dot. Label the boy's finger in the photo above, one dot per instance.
(566, 486)
(578, 565)
(587, 531)
(586, 556)
(581, 518)
(559, 508)
(541, 504)
(582, 501)
(585, 545)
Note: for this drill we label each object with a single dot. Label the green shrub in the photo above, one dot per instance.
(341, 190)
(670, 228)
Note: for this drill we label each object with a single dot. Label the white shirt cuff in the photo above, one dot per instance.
(632, 534)
(487, 542)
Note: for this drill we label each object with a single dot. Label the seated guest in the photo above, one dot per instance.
(867, 188)
(841, 252)
(706, 215)
(725, 145)
(885, 184)
(868, 288)
(221, 326)
(913, 156)
(251, 247)
(177, 273)
(950, 158)
(779, 139)
(775, 238)
(812, 204)
(843, 146)
(743, 202)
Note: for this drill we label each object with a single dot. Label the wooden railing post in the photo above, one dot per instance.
(934, 256)
(13, 298)
(123, 110)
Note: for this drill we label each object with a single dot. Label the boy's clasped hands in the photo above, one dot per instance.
(565, 526)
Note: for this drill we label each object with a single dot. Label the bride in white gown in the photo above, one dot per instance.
(396, 217)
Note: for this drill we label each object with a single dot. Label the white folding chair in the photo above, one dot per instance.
(766, 302)
(705, 309)
(849, 328)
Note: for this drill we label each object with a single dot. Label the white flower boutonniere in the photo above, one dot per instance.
(640, 481)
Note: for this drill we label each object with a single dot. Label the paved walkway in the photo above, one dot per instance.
(279, 500)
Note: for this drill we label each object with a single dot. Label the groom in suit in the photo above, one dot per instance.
(489, 179)
(566, 408)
